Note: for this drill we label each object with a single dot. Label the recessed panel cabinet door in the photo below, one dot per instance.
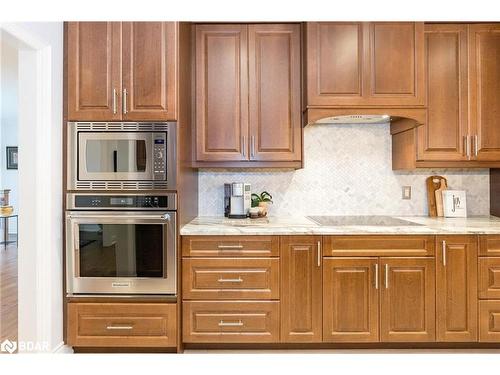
(221, 93)
(149, 58)
(301, 288)
(396, 63)
(274, 92)
(407, 312)
(350, 300)
(456, 288)
(335, 62)
(94, 71)
(484, 70)
(443, 136)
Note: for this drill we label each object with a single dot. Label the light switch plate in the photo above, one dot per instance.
(406, 192)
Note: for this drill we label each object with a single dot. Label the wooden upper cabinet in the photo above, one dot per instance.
(350, 300)
(443, 137)
(221, 92)
(121, 71)
(456, 288)
(274, 92)
(94, 71)
(407, 311)
(484, 71)
(336, 53)
(301, 289)
(149, 66)
(365, 64)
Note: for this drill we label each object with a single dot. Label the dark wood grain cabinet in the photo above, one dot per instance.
(121, 71)
(365, 64)
(248, 93)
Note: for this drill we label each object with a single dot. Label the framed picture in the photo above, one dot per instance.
(11, 157)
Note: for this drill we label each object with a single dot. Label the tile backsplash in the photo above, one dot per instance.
(347, 171)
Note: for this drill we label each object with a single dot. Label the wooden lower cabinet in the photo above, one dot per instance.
(489, 278)
(456, 288)
(407, 300)
(231, 321)
(301, 289)
(350, 300)
(122, 324)
(489, 321)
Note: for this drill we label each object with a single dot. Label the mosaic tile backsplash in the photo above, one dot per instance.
(347, 171)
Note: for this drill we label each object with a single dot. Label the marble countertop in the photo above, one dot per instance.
(216, 225)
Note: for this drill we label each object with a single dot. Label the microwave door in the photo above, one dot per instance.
(118, 156)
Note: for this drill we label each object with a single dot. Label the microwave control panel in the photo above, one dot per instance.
(159, 156)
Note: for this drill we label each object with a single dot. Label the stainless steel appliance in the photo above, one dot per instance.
(237, 200)
(121, 244)
(121, 156)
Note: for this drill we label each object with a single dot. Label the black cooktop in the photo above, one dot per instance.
(387, 221)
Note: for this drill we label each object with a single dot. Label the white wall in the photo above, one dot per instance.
(347, 171)
(9, 118)
(40, 182)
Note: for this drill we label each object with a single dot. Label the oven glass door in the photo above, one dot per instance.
(121, 253)
(115, 156)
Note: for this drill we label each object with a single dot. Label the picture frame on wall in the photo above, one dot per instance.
(12, 158)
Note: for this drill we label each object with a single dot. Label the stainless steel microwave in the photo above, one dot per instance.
(121, 156)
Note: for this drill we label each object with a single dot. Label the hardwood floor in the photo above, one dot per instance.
(8, 292)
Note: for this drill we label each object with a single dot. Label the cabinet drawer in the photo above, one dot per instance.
(379, 245)
(122, 324)
(489, 278)
(489, 245)
(230, 278)
(230, 322)
(489, 321)
(223, 246)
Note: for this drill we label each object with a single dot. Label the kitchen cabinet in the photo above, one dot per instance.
(350, 300)
(121, 71)
(456, 288)
(122, 324)
(94, 71)
(301, 289)
(365, 64)
(484, 71)
(444, 136)
(407, 300)
(247, 103)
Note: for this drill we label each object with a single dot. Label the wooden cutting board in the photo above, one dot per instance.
(435, 183)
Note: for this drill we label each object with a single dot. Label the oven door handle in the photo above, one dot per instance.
(163, 217)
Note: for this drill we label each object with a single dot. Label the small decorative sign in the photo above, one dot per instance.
(454, 203)
(11, 157)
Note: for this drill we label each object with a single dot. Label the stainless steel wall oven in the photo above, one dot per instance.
(121, 244)
(121, 156)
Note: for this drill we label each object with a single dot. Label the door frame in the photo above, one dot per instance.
(40, 316)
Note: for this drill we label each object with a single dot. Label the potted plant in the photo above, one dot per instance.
(262, 201)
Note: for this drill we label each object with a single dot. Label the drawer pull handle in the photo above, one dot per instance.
(222, 323)
(230, 247)
(119, 327)
(238, 280)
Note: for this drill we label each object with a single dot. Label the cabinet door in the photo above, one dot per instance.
(94, 71)
(396, 64)
(274, 92)
(221, 92)
(443, 136)
(456, 288)
(484, 70)
(149, 59)
(301, 288)
(350, 299)
(407, 300)
(336, 53)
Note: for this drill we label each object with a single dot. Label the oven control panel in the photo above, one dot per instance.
(159, 156)
(121, 202)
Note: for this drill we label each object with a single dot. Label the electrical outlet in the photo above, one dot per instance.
(406, 192)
